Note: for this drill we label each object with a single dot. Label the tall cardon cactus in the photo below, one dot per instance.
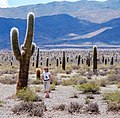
(63, 61)
(24, 54)
(95, 59)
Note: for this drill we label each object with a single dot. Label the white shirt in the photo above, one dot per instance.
(46, 75)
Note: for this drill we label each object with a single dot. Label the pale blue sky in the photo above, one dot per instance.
(10, 3)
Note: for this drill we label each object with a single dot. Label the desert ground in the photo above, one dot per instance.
(76, 92)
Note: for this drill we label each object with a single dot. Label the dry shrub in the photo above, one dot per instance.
(37, 89)
(92, 108)
(115, 107)
(74, 81)
(30, 108)
(60, 107)
(74, 107)
(8, 80)
(37, 82)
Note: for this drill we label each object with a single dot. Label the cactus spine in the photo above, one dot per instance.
(23, 55)
(63, 61)
(95, 59)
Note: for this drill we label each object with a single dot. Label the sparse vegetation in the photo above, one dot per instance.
(89, 87)
(112, 97)
(30, 108)
(1, 103)
(52, 87)
(92, 107)
(27, 94)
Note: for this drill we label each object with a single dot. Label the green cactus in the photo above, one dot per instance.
(78, 60)
(47, 62)
(95, 59)
(88, 60)
(23, 55)
(112, 60)
(37, 58)
(57, 62)
(63, 61)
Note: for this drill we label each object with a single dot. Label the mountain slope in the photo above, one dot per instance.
(62, 29)
(87, 10)
(47, 29)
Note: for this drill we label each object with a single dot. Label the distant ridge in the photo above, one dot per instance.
(93, 11)
(62, 29)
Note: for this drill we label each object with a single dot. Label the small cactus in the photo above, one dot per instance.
(78, 60)
(38, 73)
(47, 62)
(63, 61)
(94, 58)
(105, 61)
(23, 55)
(111, 63)
(57, 62)
(37, 59)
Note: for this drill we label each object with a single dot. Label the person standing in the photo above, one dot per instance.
(46, 81)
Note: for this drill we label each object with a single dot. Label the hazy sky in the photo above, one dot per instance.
(9, 3)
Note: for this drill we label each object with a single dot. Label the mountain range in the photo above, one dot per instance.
(83, 22)
(62, 29)
(93, 11)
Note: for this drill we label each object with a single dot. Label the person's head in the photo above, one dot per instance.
(46, 69)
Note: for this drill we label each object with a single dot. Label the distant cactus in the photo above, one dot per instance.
(88, 60)
(95, 59)
(82, 61)
(63, 61)
(78, 60)
(23, 55)
(38, 70)
(105, 61)
(37, 58)
(57, 62)
(111, 63)
(47, 62)
(41, 63)
(103, 58)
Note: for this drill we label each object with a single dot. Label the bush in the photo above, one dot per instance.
(60, 107)
(36, 82)
(74, 107)
(114, 78)
(74, 81)
(118, 85)
(113, 107)
(8, 80)
(31, 108)
(93, 108)
(1, 103)
(113, 97)
(37, 89)
(27, 94)
(52, 87)
(90, 87)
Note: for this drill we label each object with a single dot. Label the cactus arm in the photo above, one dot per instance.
(29, 31)
(15, 43)
(33, 48)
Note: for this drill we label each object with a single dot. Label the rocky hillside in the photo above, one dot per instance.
(86, 10)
